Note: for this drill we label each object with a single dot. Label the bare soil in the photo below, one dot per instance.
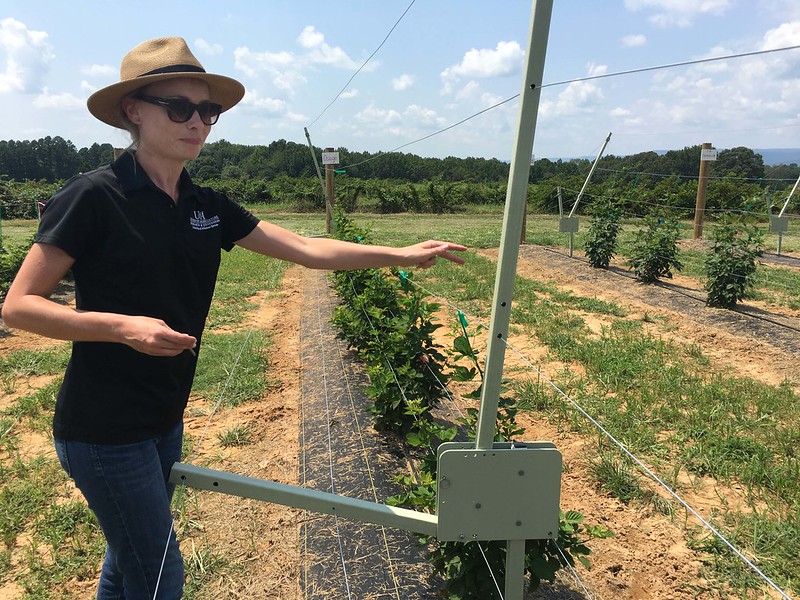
(647, 559)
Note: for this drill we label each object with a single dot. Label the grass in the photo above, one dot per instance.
(22, 364)
(232, 367)
(235, 436)
(16, 231)
(50, 539)
(242, 275)
(664, 400)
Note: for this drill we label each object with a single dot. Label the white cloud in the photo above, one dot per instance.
(418, 116)
(295, 117)
(711, 99)
(634, 40)
(595, 70)
(411, 122)
(678, 13)
(321, 53)
(288, 69)
(251, 63)
(254, 99)
(488, 99)
(377, 116)
(289, 80)
(310, 37)
(470, 89)
(784, 9)
(59, 101)
(25, 56)
(578, 97)
(352, 93)
(207, 48)
(505, 59)
(786, 34)
(403, 82)
(99, 70)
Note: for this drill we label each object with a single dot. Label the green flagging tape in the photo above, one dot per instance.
(463, 320)
(340, 171)
(358, 239)
(404, 283)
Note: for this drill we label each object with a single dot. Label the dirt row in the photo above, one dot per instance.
(263, 543)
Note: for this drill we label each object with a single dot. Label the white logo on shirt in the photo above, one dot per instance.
(199, 222)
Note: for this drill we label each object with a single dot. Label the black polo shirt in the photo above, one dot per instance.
(136, 253)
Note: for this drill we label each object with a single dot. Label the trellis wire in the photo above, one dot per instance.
(576, 80)
(486, 560)
(197, 448)
(369, 469)
(364, 64)
(642, 465)
(330, 455)
(572, 569)
(402, 391)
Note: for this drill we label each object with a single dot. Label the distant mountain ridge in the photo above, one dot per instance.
(771, 156)
(779, 156)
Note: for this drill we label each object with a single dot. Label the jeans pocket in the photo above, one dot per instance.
(63, 455)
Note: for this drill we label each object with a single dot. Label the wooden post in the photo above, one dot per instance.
(700, 203)
(329, 193)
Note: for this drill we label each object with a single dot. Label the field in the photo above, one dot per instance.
(707, 398)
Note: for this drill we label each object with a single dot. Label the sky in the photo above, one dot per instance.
(444, 61)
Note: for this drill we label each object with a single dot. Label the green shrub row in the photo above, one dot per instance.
(390, 324)
(21, 200)
(729, 267)
(11, 258)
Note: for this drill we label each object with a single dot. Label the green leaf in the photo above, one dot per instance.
(461, 344)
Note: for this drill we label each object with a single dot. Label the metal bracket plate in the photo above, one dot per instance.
(511, 492)
(778, 224)
(568, 224)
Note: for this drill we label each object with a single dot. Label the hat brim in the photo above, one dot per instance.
(104, 104)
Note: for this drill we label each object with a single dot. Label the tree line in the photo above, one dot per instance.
(51, 159)
(284, 172)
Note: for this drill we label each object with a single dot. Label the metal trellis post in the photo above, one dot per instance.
(589, 176)
(329, 208)
(485, 490)
(780, 223)
(507, 260)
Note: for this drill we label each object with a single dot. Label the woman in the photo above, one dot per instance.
(143, 243)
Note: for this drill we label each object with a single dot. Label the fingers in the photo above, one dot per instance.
(156, 338)
(427, 263)
(452, 258)
(435, 244)
(171, 343)
(440, 249)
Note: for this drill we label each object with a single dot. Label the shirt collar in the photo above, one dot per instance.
(132, 176)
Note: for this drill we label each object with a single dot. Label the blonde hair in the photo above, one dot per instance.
(129, 126)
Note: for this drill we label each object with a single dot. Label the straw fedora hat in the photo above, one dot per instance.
(156, 60)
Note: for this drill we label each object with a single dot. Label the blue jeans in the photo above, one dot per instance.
(126, 488)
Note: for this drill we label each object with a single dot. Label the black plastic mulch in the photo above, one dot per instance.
(341, 452)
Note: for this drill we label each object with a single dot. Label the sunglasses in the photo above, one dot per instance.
(180, 110)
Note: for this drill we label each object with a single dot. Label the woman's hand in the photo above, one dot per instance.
(424, 254)
(154, 337)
